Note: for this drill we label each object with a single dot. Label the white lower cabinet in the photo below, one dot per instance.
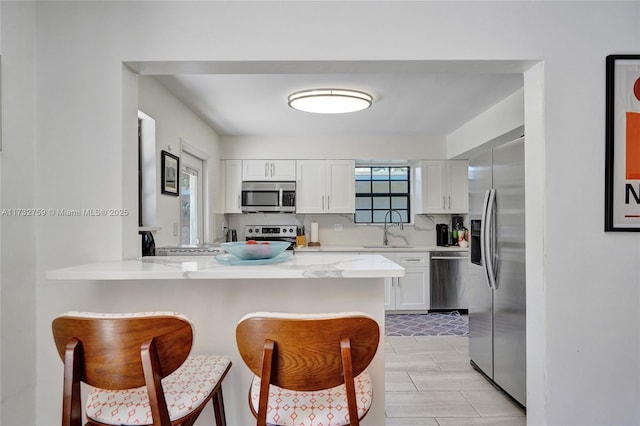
(411, 292)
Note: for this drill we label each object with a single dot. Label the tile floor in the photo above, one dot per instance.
(429, 382)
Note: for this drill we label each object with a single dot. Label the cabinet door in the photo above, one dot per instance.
(444, 187)
(284, 170)
(255, 169)
(459, 186)
(389, 294)
(412, 290)
(277, 170)
(435, 195)
(310, 178)
(233, 186)
(341, 186)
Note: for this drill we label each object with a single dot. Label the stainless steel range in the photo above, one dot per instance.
(272, 233)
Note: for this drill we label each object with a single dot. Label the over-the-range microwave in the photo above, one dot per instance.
(270, 197)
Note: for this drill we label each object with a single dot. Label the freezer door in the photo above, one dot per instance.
(480, 319)
(509, 300)
(479, 294)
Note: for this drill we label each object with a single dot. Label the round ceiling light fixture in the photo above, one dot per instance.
(330, 101)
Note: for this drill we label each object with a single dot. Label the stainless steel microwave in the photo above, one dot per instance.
(278, 197)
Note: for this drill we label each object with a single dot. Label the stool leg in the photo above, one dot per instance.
(218, 408)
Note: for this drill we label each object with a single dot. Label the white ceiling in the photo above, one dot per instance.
(410, 97)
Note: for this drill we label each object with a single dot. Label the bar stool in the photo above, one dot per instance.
(139, 369)
(309, 369)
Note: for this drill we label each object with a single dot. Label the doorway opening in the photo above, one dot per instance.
(191, 204)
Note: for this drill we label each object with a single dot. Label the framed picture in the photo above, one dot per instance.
(622, 153)
(170, 167)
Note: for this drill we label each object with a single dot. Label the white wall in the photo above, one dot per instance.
(176, 125)
(18, 244)
(583, 302)
(332, 147)
(501, 123)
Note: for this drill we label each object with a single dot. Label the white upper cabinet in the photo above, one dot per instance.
(325, 186)
(442, 187)
(276, 170)
(233, 186)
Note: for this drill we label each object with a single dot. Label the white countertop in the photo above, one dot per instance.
(322, 265)
(378, 249)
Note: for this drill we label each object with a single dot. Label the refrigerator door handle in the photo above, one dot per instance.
(487, 230)
(490, 235)
(483, 230)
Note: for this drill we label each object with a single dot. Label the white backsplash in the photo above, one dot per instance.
(337, 229)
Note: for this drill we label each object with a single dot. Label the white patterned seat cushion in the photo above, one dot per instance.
(185, 389)
(319, 408)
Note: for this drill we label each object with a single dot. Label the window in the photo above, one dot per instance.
(380, 189)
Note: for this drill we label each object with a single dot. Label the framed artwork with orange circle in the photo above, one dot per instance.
(622, 153)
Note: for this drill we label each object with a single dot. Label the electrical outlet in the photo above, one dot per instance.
(338, 227)
(175, 229)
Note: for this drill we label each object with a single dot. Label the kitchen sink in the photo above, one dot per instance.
(390, 246)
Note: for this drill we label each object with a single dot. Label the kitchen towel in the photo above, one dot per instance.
(314, 232)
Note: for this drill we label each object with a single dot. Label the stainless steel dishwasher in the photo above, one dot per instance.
(448, 273)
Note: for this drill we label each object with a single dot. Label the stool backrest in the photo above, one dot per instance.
(308, 350)
(111, 345)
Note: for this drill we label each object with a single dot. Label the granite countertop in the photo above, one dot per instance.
(324, 265)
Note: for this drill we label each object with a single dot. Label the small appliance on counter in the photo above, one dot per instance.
(457, 230)
(457, 222)
(442, 234)
(148, 244)
(232, 235)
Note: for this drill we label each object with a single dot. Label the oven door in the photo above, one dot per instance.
(290, 240)
(257, 201)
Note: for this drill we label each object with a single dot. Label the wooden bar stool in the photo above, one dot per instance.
(309, 369)
(138, 368)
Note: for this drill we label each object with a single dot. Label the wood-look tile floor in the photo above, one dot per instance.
(429, 382)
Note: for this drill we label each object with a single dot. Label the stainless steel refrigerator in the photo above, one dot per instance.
(496, 286)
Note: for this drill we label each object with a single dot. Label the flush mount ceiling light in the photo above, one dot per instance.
(330, 101)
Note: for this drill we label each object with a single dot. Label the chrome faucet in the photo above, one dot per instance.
(385, 239)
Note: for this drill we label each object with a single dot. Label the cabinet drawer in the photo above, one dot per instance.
(413, 260)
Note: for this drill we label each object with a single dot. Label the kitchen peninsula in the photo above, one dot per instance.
(215, 296)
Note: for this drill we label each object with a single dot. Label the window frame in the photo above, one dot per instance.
(390, 195)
